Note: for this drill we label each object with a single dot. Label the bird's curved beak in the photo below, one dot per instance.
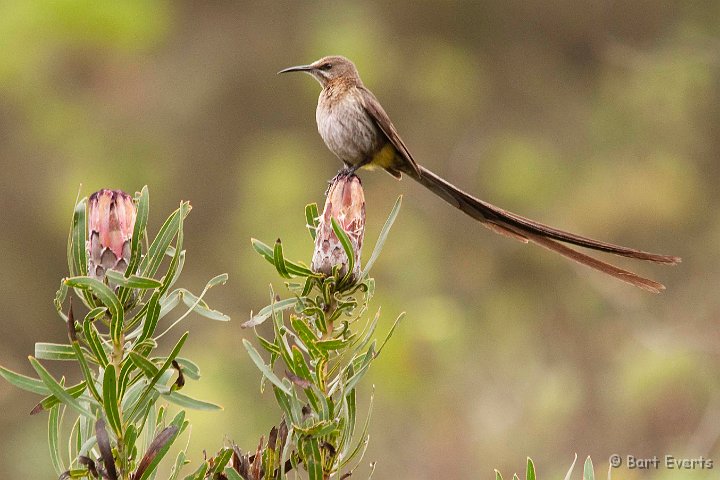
(299, 68)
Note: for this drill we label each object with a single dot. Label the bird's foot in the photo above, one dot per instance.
(346, 171)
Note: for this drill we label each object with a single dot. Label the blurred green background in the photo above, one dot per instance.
(598, 117)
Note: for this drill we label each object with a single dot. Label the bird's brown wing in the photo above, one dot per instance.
(382, 120)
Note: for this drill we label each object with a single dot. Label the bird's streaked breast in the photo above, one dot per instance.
(346, 128)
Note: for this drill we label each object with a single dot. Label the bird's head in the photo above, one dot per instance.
(329, 69)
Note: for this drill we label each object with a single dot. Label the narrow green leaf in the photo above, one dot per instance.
(50, 401)
(78, 255)
(307, 336)
(89, 380)
(313, 459)
(110, 400)
(279, 260)
(107, 297)
(152, 260)
(530, 472)
(141, 219)
(24, 382)
(217, 280)
(588, 471)
(180, 461)
(346, 244)
(95, 313)
(157, 450)
(383, 236)
(147, 367)
(152, 316)
(190, 369)
(60, 298)
(221, 460)
(133, 281)
(92, 337)
(188, 402)
(265, 251)
(232, 474)
(54, 439)
(265, 312)
(268, 254)
(57, 389)
(198, 474)
(266, 371)
(151, 384)
(572, 467)
(311, 219)
(200, 307)
(270, 347)
(53, 351)
(498, 476)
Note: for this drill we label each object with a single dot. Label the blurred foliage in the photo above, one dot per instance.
(602, 118)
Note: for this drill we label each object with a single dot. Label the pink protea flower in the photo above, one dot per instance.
(345, 203)
(111, 219)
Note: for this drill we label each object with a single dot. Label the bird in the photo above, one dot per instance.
(356, 128)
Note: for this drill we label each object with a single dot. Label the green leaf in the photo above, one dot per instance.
(498, 476)
(200, 307)
(383, 236)
(188, 402)
(24, 382)
(268, 254)
(110, 400)
(147, 367)
(60, 298)
(572, 467)
(266, 371)
(89, 380)
(307, 336)
(311, 219)
(346, 244)
(313, 459)
(157, 450)
(57, 389)
(190, 369)
(92, 337)
(77, 259)
(107, 297)
(361, 369)
(279, 260)
(151, 384)
(54, 439)
(133, 281)
(53, 351)
(265, 312)
(95, 313)
(152, 315)
(588, 471)
(221, 460)
(151, 262)
(50, 401)
(198, 474)
(180, 461)
(530, 472)
(141, 219)
(232, 474)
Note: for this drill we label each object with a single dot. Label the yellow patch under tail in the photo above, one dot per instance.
(385, 158)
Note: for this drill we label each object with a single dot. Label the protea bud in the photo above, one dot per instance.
(111, 219)
(345, 203)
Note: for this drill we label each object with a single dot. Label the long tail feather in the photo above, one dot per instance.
(524, 229)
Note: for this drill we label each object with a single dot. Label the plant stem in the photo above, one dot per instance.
(116, 359)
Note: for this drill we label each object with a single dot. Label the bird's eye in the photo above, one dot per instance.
(326, 66)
